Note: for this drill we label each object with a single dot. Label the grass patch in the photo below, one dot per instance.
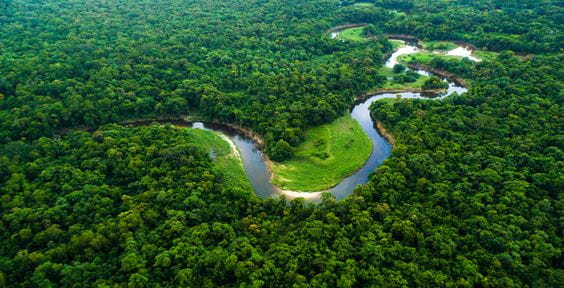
(438, 45)
(352, 34)
(363, 4)
(228, 164)
(329, 153)
(426, 57)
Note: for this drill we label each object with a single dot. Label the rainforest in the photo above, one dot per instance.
(281, 143)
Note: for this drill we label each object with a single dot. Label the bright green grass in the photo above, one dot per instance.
(352, 34)
(438, 45)
(363, 4)
(427, 57)
(329, 153)
(227, 162)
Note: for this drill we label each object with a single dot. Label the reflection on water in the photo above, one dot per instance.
(405, 50)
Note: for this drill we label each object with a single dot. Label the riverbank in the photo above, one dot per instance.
(382, 130)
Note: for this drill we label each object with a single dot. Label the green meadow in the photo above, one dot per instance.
(329, 153)
(363, 4)
(352, 34)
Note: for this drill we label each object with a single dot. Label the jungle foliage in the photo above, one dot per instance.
(471, 196)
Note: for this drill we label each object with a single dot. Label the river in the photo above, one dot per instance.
(256, 167)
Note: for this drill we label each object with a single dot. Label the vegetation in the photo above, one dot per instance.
(68, 68)
(92, 209)
(329, 153)
(483, 138)
(423, 57)
(363, 4)
(522, 26)
(396, 44)
(454, 64)
(434, 82)
(470, 197)
(485, 55)
(225, 158)
(398, 68)
(352, 34)
(404, 80)
(438, 45)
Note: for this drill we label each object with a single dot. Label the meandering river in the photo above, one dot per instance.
(256, 166)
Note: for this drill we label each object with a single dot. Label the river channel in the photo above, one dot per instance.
(256, 165)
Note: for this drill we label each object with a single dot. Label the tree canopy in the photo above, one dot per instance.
(470, 197)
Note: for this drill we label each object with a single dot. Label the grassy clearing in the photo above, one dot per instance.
(227, 162)
(423, 57)
(363, 4)
(438, 45)
(352, 34)
(329, 153)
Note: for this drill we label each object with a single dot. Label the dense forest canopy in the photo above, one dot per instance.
(88, 63)
(471, 196)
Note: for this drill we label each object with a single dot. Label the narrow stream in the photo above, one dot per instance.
(259, 175)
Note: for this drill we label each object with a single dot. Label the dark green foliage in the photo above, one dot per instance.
(477, 173)
(434, 82)
(280, 151)
(371, 30)
(398, 68)
(404, 5)
(409, 76)
(520, 25)
(463, 67)
(471, 196)
(94, 209)
(61, 67)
